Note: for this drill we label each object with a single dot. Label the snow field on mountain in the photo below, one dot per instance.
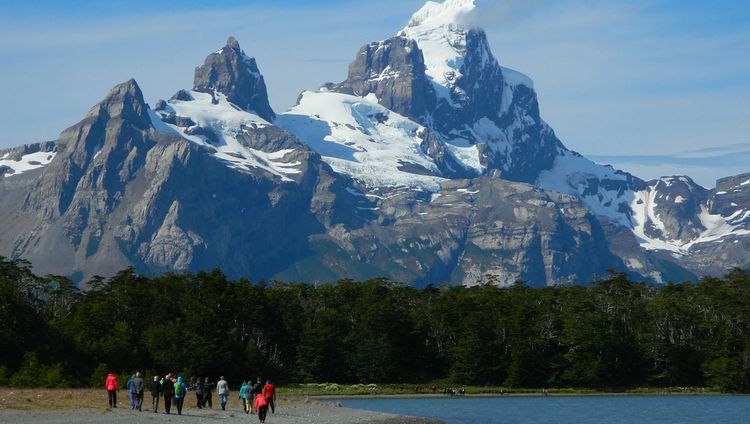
(570, 174)
(716, 226)
(435, 28)
(27, 162)
(359, 137)
(228, 123)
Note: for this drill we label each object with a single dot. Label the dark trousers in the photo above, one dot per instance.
(178, 403)
(138, 398)
(155, 402)
(167, 403)
(112, 395)
(207, 400)
(270, 403)
(262, 411)
(199, 400)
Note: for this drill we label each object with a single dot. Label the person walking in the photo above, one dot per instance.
(208, 389)
(261, 407)
(110, 384)
(269, 392)
(129, 386)
(199, 392)
(222, 391)
(155, 388)
(179, 394)
(255, 390)
(167, 392)
(137, 389)
(245, 396)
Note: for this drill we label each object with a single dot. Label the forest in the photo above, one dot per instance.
(613, 333)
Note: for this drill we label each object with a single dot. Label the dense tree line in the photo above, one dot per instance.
(614, 333)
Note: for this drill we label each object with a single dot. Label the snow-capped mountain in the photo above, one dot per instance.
(429, 163)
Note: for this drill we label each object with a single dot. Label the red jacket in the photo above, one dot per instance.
(111, 383)
(269, 390)
(260, 401)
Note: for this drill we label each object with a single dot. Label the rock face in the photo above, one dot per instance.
(394, 71)
(232, 72)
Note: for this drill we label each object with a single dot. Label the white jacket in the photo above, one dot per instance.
(222, 387)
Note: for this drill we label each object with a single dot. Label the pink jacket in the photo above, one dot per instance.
(111, 383)
(260, 401)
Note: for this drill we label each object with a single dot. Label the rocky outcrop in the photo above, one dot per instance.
(394, 71)
(231, 72)
(462, 235)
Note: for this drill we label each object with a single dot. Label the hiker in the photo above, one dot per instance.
(222, 390)
(155, 389)
(261, 407)
(110, 384)
(257, 389)
(208, 389)
(179, 394)
(199, 391)
(245, 396)
(137, 390)
(269, 392)
(129, 386)
(167, 392)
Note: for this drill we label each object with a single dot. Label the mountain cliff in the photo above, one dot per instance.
(430, 163)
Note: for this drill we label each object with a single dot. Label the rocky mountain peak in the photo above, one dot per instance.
(236, 75)
(125, 101)
(233, 43)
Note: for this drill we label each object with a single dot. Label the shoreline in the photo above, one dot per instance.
(310, 413)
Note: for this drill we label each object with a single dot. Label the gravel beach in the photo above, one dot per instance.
(299, 413)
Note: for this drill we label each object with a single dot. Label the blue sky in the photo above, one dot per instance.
(656, 87)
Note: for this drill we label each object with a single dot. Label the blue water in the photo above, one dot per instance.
(568, 409)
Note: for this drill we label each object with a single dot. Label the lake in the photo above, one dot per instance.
(568, 409)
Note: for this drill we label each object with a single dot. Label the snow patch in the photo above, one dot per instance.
(359, 137)
(27, 163)
(227, 122)
(570, 174)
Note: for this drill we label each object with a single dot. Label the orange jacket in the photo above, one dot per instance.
(111, 383)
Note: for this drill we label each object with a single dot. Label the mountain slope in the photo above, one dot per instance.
(430, 163)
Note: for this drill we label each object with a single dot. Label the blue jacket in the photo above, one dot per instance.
(182, 389)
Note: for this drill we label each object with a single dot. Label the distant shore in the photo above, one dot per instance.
(497, 395)
(335, 391)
